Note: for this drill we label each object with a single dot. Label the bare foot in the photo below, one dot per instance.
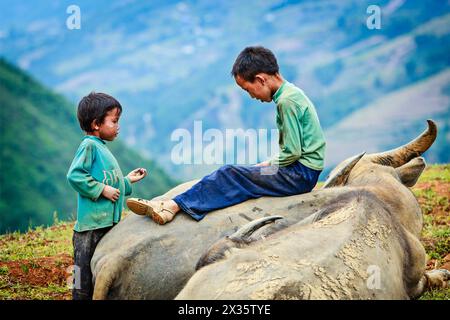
(172, 206)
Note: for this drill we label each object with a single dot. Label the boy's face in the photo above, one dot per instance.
(258, 89)
(109, 129)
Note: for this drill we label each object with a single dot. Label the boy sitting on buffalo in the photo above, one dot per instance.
(294, 170)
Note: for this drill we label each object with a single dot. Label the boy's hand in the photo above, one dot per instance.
(137, 174)
(111, 193)
(262, 164)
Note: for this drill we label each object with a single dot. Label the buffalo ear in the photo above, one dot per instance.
(410, 172)
(339, 176)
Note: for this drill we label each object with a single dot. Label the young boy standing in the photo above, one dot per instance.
(96, 176)
(294, 170)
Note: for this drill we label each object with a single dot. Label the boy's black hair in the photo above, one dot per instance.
(254, 60)
(95, 106)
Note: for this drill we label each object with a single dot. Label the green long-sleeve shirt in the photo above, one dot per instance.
(300, 135)
(93, 167)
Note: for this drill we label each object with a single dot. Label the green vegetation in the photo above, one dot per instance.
(35, 265)
(443, 294)
(433, 193)
(433, 190)
(37, 243)
(436, 173)
(39, 136)
(25, 292)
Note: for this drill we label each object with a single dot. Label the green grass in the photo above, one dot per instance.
(28, 250)
(37, 243)
(434, 202)
(4, 271)
(442, 294)
(436, 172)
(16, 291)
(435, 207)
(441, 242)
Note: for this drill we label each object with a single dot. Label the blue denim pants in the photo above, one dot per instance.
(233, 184)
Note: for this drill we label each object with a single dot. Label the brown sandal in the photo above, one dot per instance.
(153, 209)
(141, 206)
(163, 215)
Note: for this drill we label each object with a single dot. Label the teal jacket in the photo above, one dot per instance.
(93, 167)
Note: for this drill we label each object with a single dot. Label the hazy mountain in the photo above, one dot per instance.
(396, 119)
(168, 63)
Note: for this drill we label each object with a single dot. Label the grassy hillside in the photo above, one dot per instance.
(33, 265)
(39, 135)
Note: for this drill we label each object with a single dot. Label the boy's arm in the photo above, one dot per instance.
(79, 175)
(291, 133)
(128, 187)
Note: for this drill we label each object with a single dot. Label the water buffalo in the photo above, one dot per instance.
(139, 259)
(363, 244)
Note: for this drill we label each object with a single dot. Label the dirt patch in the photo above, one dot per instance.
(441, 188)
(434, 264)
(446, 262)
(39, 272)
(433, 197)
(435, 203)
